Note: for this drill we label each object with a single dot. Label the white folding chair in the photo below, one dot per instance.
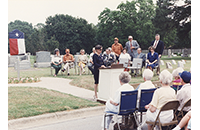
(124, 61)
(136, 64)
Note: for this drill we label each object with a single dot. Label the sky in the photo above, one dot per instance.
(36, 11)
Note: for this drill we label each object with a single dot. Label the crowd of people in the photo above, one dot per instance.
(161, 96)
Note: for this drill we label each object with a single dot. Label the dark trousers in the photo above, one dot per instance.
(91, 67)
(56, 67)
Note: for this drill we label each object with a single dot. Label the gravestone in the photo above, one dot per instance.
(162, 62)
(23, 65)
(183, 61)
(25, 58)
(169, 65)
(43, 59)
(180, 64)
(185, 52)
(169, 53)
(173, 62)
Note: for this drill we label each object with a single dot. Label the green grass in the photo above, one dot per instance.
(31, 101)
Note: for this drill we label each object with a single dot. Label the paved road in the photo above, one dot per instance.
(88, 123)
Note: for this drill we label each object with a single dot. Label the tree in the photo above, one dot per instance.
(70, 32)
(52, 44)
(132, 18)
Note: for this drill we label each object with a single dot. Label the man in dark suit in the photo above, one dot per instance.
(159, 47)
(108, 58)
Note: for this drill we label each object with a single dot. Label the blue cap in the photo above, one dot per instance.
(186, 76)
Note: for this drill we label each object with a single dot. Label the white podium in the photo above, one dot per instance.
(109, 81)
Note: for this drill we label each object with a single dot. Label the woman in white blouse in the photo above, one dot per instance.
(124, 55)
(56, 61)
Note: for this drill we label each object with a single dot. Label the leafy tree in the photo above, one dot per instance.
(132, 18)
(52, 44)
(70, 32)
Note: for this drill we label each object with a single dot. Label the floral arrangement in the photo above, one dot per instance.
(23, 80)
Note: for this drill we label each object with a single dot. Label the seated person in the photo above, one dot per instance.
(68, 60)
(160, 97)
(185, 121)
(147, 76)
(108, 58)
(124, 55)
(141, 55)
(177, 80)
(82, 61)
(56, 61)
(113, 104)
(184, 94)
(91, 64)
(152, 58)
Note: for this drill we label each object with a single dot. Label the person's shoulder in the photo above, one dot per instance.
(156, 53)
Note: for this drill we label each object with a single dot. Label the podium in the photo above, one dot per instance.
(109, 81)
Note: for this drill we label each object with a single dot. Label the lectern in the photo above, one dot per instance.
(109, 81)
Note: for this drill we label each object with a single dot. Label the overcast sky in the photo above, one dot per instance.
(36, 11)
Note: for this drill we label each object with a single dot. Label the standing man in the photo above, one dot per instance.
(117, 48)
(131, 47)
(159, 47)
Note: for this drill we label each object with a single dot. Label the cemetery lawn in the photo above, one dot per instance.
(87, 81)
(31, 101)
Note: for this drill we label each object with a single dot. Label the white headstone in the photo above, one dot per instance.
(183, 61)
(173, 62)
(169, 53)
(43, 59)
(180, 64)
(169, 65)
(162, 62)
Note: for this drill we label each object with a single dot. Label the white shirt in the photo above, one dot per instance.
(91, 55)
(124, 56)
(56, 58)
(111, 107)
(183, 95)
(156, 42)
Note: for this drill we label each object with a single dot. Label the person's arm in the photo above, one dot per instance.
(152, 105)
(162, 48)
(121, 47)
(136, 45)
(95, 58)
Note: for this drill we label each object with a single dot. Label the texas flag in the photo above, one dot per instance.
(16, 41)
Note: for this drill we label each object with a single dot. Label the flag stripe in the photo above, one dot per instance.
(13, 47)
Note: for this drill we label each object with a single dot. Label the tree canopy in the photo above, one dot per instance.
(140, 18)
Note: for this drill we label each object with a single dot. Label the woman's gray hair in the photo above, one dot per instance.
(147, 74)
(165, 77)
(124, 77)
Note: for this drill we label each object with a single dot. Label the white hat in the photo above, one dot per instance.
(130, 37)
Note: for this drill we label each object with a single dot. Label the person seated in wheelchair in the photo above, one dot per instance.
(113, 104)
(160, 97)
(108, 58)
(68, 61)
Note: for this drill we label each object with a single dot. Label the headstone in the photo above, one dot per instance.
(180, 64)
(23, 65)
(169, 65)
(43, 59)
(183, 61)
(173, 62)
(185, 52)
(12, 59)
(162, 62)
(169, 53)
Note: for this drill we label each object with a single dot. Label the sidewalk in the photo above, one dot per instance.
(61, 85)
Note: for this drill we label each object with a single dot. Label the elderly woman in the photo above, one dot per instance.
(82, 61)
(152, 58)
(177, 79)
(113, 104)
(160, 97)
(56, 61)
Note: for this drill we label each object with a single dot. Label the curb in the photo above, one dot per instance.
(54, 117)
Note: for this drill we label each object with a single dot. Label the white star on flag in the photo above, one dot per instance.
(17, 34)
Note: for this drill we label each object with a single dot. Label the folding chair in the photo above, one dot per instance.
(180, 115)
(136, 64)
(145, 98)
(171, 105)
(127, 106)
(124, 61)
